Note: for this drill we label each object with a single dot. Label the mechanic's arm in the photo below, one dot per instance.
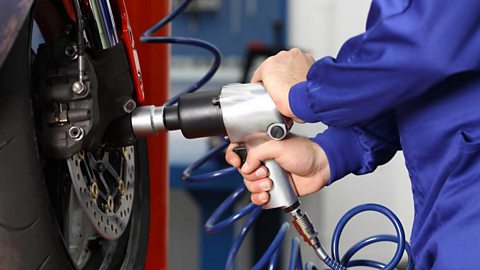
(399, 57)
(314, 163)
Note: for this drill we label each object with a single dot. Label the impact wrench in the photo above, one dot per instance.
(247, 115)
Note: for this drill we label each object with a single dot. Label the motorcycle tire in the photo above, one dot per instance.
(30, 237)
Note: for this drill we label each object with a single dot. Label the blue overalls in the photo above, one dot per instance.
(411, 82)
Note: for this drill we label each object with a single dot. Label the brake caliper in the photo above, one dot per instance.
(83, 124)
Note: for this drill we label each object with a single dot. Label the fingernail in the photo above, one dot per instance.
(245, 167)
(262, 197)
(261, 173)
(232, 162)
(265, 185)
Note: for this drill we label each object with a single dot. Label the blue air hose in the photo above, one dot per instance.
(270, 256)
(149, 38)
(399, 239)
(187, 173)
(295, 262)
(213, 227)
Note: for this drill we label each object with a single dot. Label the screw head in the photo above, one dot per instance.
(129, 106)
(71, 52)
(79, 88)
(94, 190)
(110, 204)
(76, 133)
(121, 187)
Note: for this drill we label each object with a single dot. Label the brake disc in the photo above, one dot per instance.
(104, 186)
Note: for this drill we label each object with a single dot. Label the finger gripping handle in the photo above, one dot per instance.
(282, 194)
(241, 151)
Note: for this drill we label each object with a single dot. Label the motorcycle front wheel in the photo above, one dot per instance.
(42, 225)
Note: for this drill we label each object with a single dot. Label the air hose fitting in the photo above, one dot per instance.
(305, 228)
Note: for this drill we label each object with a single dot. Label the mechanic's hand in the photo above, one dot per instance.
(279, 73)
(305, 160)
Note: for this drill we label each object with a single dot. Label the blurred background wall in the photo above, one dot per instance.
(240, 27)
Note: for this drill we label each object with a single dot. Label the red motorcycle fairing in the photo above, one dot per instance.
(129, 41)
(12, 16)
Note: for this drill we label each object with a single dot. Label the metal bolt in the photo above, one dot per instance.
(94, 190)
(79, 88)
(71, 52)
(139, 75)
(110, 204)
(129, 106)
(75, 133)
(121, 187)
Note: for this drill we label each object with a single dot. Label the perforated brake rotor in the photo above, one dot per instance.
(104, 186)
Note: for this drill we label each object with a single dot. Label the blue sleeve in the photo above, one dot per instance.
(359, 149)
(409, 46)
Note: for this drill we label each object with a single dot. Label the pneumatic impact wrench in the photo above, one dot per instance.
(247, 115)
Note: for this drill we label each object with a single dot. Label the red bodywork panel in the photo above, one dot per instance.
(128, 39)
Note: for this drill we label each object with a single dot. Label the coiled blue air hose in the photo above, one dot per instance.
(295, 262)
(149, 38)
(271, 254)
(399, 239)
(187, 173)
(213, 226)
